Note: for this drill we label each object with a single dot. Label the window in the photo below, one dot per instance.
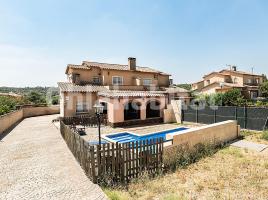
(96, 79)
(208, 82)
(81, 107)
(249, 80)
(257, 80)
(117, 80)
(235, 80)
(147, 82)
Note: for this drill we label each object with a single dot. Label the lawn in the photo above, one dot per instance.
(230, 173)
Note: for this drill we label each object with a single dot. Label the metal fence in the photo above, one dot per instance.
(247, 117)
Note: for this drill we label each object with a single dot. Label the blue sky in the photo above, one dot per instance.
(185, 38)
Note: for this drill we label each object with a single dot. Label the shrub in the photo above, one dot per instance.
(7, 104)
(55, 100)
(36, 98)
(264, 89)
(233, 98)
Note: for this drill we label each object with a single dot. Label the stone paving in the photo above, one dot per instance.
(35, 163)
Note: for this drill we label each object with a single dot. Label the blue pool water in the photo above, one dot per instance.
(129, 137)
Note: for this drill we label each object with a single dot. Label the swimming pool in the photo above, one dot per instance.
(133, 137)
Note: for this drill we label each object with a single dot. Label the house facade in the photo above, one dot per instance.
(129, 93)
(228, 79)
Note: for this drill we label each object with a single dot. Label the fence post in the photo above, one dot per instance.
(182, 115)
(196, 114)
(92, 160)
(236, 113)
(215, 116)
(245, 116)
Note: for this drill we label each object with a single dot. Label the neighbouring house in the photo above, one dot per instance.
(130, 94)
(227, 79)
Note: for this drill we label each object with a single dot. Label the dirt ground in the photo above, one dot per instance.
(231, 173)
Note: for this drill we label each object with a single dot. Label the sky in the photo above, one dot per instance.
(186, 38)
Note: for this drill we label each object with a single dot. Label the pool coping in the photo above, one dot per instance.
(151, 133)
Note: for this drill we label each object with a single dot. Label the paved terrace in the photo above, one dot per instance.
(35, 163)
(92, 133)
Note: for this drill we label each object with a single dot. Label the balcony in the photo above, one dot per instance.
(90, 83)
(132, 87)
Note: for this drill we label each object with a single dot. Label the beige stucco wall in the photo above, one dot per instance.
(169, 116)
(129, 77)
(214, 133)
(38, 111)
(116, 107)
(10, 119)
(210, 89)
(70, 99)
(197, 86)
(214, 78)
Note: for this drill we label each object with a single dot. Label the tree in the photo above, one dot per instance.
(55, 100)
(7, 104)
(36, 98)
(185, 86)
(264, 89)
(264, 77)
(233, 98)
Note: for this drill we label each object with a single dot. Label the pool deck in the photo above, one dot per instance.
(92, 133)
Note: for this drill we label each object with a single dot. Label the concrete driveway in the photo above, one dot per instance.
(35, 163)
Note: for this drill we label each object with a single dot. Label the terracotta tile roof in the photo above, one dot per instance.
(70, 87)
(217, 84)
(218, 73)
(238, 72)
(175, 90)
(126, 93)
(88, 65)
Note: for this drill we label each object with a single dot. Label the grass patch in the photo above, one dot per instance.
(230, 173)
(115, 194)
(182, 156)
(265, 135)
(236, 152)
(246, 133)
(173, 197)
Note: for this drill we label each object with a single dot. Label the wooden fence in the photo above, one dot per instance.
(115, 162)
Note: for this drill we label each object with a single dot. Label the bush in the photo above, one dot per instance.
(36, 98)
(264, 89)
(233, 98)
(55, 100)
(7, 104)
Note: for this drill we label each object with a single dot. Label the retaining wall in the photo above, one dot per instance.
(215, 133)
(38, 111)
(9, 120)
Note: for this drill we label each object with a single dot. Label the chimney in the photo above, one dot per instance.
(234, 68)
(132, 63)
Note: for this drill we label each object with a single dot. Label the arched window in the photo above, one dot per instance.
(132, 111)
(153, 109)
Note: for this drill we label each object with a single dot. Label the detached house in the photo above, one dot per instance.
(228, 79)
(130, 94)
